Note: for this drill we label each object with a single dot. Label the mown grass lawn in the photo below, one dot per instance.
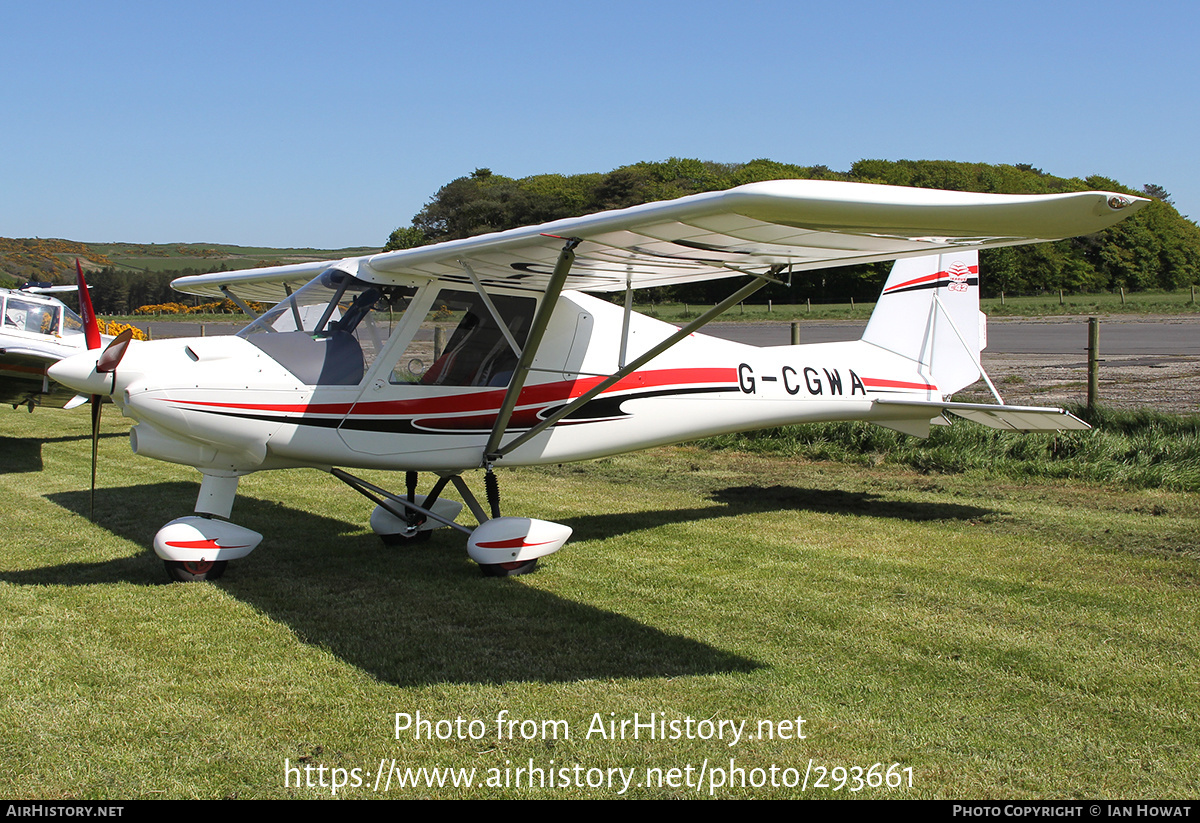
(997, 637)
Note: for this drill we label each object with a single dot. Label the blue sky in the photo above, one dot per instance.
(329, 124)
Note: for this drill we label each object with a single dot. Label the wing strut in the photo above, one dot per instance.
(562, 267)
(729, 302)
(491, 307)
(241, 304)
(295, 309)
(628, 314)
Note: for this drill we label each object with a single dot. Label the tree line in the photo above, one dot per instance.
(1157, 248)
(120, 291)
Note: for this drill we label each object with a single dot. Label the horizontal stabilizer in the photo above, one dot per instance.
(1009, 418)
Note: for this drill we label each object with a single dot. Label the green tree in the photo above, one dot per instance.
(405, 237)
(1156, 248)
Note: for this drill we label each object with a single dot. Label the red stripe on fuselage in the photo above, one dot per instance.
(876, 383)
(485, 401)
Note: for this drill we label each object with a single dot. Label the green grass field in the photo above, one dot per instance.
(984, 637)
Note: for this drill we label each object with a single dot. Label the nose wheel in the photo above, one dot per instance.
(508, 569)
(195, 571)
(198, 548)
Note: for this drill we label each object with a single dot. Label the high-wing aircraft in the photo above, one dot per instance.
(489, 352)
(36, 330)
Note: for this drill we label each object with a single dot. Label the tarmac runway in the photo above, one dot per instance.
(1145, 361)
(1119, 335)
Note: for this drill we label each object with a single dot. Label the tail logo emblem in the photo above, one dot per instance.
(958, 276)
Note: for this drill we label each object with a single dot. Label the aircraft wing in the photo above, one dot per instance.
(269, 284)
(1009, 418)
(801, 224)
(23, 378)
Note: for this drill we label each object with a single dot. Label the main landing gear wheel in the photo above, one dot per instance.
(508, 569)
(195, 571)
(402, 539)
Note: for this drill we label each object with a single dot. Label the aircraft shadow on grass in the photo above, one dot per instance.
(422, 614)
(409, 616)
(837, 501)
(19, 455)
(737, 501)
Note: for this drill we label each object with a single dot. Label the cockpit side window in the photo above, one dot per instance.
(461, 344)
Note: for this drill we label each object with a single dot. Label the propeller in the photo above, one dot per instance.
(110, 358)
(106, 363)
(91, 332)
(91, 329)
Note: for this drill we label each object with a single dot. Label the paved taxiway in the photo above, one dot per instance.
(1119, 335)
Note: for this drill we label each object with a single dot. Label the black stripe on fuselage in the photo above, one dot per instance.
(594, 411)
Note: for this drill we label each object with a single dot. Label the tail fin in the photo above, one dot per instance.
(929, 313)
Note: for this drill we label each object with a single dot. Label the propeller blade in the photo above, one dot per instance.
(110, 358)
(106, 363)
(97, 403)
(91, 329)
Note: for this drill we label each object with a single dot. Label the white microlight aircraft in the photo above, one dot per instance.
(487, 352)
(36, 331)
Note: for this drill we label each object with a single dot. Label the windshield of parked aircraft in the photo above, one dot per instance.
(29, 316)
(72, 323)
(330, 331)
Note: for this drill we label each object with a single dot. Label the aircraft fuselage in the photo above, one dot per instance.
(224, 403)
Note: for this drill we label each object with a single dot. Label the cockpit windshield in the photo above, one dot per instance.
(37, 316)
(330, 331)
(334, 301)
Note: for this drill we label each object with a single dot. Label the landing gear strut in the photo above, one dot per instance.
(502, 546)
(409, 519)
